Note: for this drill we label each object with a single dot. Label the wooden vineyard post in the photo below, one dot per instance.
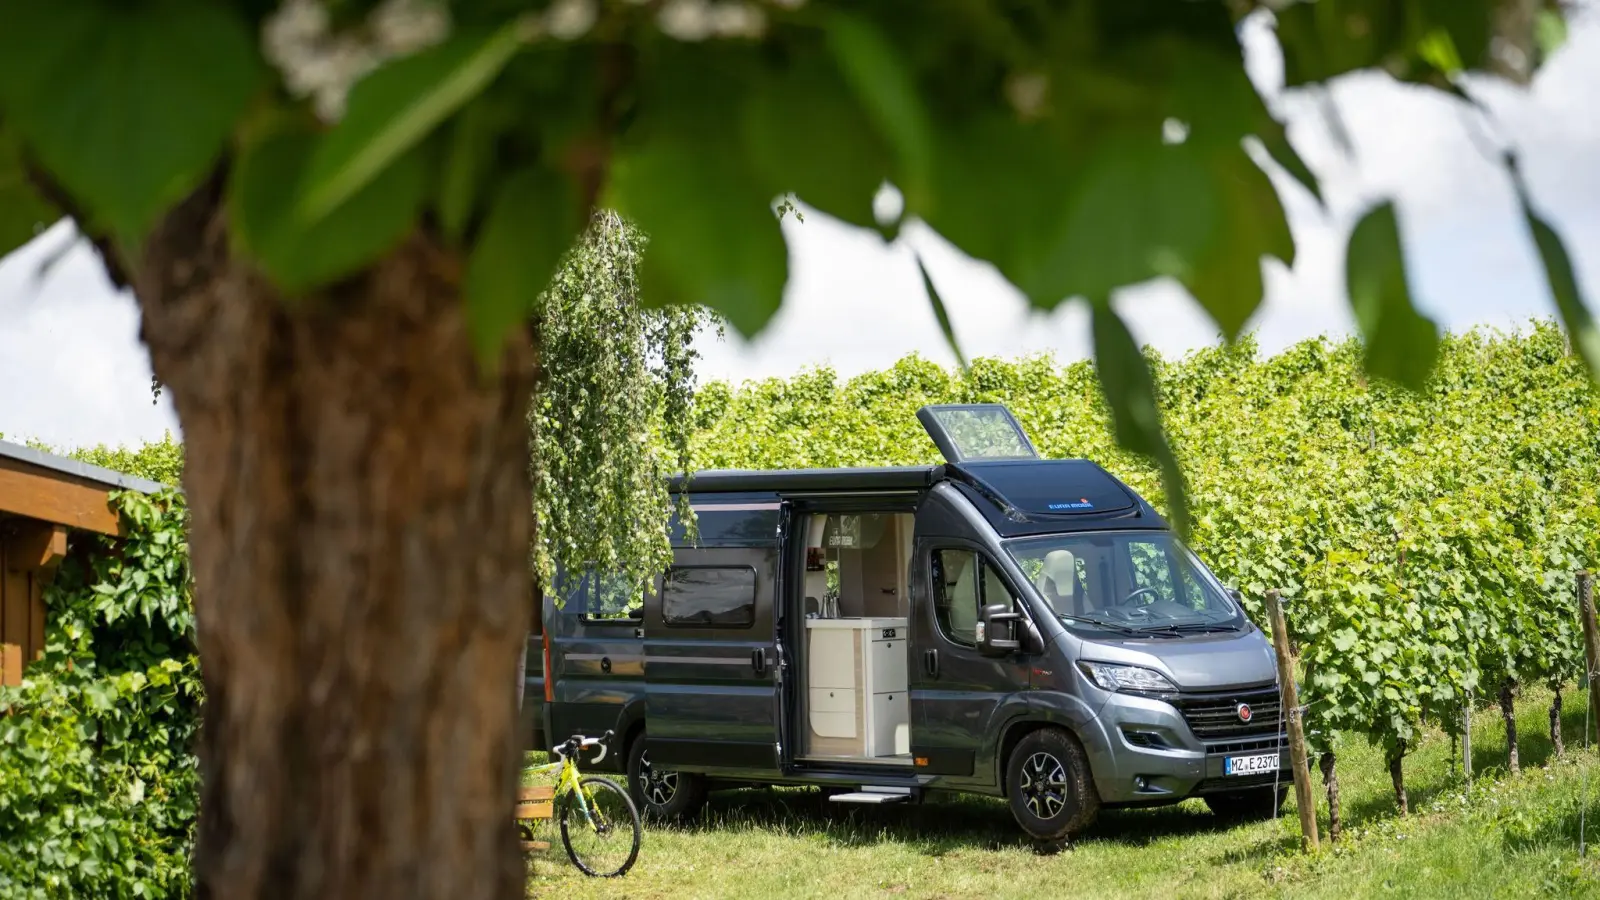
(1591, 641)
(1304, 799)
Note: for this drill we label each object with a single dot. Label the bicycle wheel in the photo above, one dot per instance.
(604, 843)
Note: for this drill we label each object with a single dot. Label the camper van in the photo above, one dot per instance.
(999, 624)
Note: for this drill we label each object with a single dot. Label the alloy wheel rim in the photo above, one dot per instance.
(1044, 785)
(658, 787)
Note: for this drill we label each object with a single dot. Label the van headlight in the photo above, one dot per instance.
(1113, 677)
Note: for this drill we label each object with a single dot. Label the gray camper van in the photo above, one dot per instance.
(1000, 624)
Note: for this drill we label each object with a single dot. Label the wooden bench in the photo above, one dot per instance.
(533, 804)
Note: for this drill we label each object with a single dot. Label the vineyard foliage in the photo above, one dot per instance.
(1425, 543)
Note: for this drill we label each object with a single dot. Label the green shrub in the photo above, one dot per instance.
(98, 779)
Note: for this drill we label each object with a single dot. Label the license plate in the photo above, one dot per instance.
(1250, 765)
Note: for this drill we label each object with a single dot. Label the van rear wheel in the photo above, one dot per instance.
(1048, 786)
(662, 793)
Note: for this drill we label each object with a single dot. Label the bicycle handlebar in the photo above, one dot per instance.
(579, 742)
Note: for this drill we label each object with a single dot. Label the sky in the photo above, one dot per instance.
(76, 373)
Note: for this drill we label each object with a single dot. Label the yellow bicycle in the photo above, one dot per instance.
(599, 823)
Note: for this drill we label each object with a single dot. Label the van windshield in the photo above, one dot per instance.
(1129, 582)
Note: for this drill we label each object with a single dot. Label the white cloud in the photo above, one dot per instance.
(72, 368)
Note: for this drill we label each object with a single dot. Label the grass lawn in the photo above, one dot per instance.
(1499, 838)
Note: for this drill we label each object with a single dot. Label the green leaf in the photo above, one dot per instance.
(887, 90)
(1575, 315)
(1227, 281)
(261, 212)
(806, 134)
(1010, 216)
(127, 105)
(1549, 32)
(468, 158)
(1130, 391)
(941, 313)
(23, 213)
(394, 108)
(1400, 343)
(714, 239)
(1141, 210)
(1275, 140)
(532, 223)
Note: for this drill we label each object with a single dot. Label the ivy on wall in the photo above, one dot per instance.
(98, 779)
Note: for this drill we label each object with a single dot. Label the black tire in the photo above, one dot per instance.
(662, 794)
(1248, 805)
(610, 834)
(1049, 789)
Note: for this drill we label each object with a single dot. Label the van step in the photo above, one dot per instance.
(873, 797)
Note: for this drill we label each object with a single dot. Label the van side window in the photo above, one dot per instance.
(709, 597)
(601, 596)
(964, 582)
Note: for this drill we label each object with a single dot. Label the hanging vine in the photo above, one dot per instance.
(612, 414)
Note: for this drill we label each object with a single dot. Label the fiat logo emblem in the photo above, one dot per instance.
(1244, 712)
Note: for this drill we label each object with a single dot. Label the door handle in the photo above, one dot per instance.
(758, 660)
(930, 661)
(605, 664)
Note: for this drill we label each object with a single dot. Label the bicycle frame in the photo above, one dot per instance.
(567, 782)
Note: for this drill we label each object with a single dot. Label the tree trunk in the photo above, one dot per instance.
(1398, 779)
(1330, 778)
(1508, 711)
(359, 537)
(1555, 724)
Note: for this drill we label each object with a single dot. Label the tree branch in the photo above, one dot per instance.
(48, 188)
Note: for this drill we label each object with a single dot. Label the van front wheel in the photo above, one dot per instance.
(662, 793)
(1049, 789)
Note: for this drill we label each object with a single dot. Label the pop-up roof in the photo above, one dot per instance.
(990, 454)
(1050, 488)
(970, 431)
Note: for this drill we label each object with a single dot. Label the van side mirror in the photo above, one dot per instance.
(1234, 593)
(997, 630)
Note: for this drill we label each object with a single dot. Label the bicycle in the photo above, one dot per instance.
(592, 809)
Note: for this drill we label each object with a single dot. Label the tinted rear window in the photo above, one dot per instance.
(709, 597)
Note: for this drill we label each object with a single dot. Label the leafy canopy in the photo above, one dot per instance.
(1079, 145)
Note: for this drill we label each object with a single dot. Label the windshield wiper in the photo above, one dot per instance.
(1190, 628)
(1105, 623)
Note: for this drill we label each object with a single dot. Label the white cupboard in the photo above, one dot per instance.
(857, 704)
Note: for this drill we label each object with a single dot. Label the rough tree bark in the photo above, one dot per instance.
(1558, 748)
(1330, 778)
(1508, 712)
(360, 514)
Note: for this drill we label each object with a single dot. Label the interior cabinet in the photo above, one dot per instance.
(857, 704)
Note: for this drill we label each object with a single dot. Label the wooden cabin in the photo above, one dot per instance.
(42, 498)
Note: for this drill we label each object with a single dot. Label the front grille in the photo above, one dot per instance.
(1251, 745)
(1214, 717)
